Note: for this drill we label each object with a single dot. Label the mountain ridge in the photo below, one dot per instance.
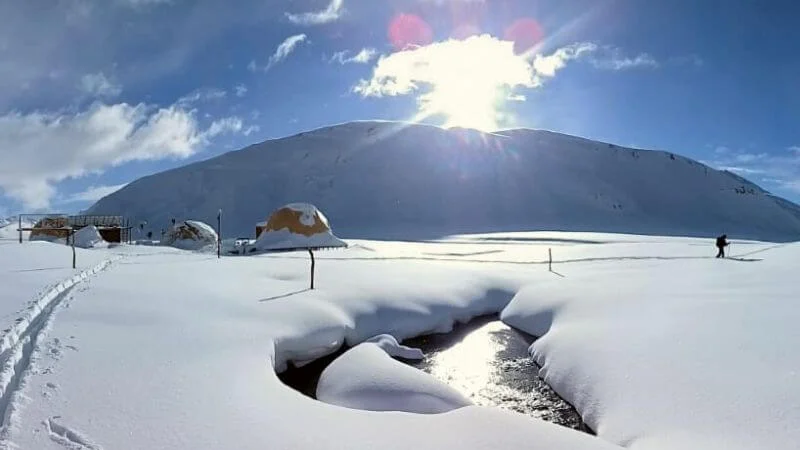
(383, 179)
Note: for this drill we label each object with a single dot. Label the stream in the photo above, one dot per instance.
(485, 359)
(488, 362)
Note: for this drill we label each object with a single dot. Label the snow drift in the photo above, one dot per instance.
(366, 377)
(392, 180)
(88, 237)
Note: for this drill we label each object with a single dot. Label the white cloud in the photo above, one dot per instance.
(608, 58)
(94, 193)
(615, 60)
(281, 52)
(251, 129)
(202, 95)
(330, 14)
(98, 85)
(364, 56)
(226, 125)
(790, 185)
(240, 90)
(547, 65)
(466, 80)
(781, 169)
(40, 149)
(480, 59)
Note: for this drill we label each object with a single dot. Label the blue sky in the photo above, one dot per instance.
(97, 93)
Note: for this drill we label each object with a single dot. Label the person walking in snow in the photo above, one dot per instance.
(722, 242)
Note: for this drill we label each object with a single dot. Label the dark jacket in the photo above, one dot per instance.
(722, 241)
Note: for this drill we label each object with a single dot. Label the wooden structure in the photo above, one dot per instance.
(113, 229)
(51, 227)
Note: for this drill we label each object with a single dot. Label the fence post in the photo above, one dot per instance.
(311, 252)
(219, 234)
(550, 259)
(19, 217)
(73, 249)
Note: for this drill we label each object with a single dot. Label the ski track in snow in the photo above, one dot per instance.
(23, 339)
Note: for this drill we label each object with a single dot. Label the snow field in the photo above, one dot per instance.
(185, 354)
(29, 272)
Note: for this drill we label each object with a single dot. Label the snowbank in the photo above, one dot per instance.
(393, 348)
(190, 235)
(88, 237)
(366, 377)
(675, 354)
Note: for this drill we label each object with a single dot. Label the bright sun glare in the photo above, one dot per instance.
(464, 102)
(467, 82)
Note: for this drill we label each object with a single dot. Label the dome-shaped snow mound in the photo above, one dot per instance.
(190, 235)
(88, 237)
(297, 226)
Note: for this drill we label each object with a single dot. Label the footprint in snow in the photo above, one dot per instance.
(49, 389)
(68, 437)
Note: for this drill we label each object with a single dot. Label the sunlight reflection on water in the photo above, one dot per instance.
(488, 362)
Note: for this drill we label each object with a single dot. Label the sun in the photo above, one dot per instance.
(468, 81)
(465, 81)
(464, 103)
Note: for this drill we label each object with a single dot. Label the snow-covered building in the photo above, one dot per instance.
(59, 227)
(190, 235)
(296, 226)
(50, 229)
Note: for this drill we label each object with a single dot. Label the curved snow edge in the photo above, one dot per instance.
(340, 329)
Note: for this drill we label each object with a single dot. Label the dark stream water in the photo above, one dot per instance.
(486, 360)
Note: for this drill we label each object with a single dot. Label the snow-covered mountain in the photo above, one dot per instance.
(394, 180)
(9, 226)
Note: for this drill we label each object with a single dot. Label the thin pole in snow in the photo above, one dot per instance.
(19, 217)
(550, 259)
(219, 234)
(73, 248)
(311, 252)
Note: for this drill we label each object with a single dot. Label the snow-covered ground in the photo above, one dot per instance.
(658, 344)
(9, 227)
(32, 272)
